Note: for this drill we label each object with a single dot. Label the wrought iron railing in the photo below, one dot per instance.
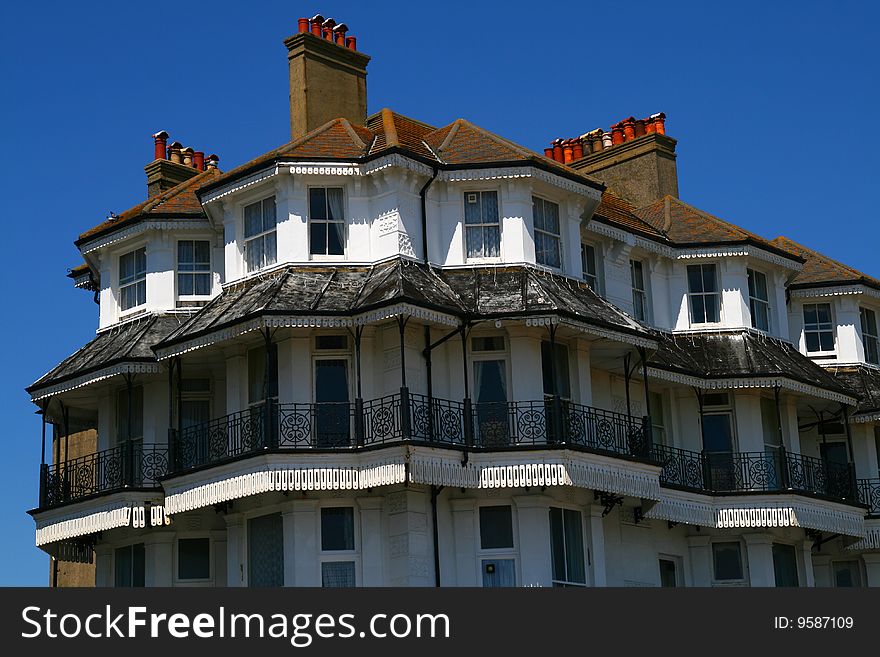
(869, 495)
(130, 465)
(735, 472)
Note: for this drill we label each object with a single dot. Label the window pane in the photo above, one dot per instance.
(667, 573)
(335, 208)
(785, 565)
(709, 280)
(847, 574)
(317, 203)
(335, 238)
(337, 574)
(551, 217)
(265, 551)
(574, 547)
(588, 259)
(810, 315)
(202, 284)
(823, 310)
(184, 253)
(728, 561)
(318, 238)
(496, 527)
(472, 213)
(557, 544)
(269, 249)
(492, 239)
(337, 528)
(538, 212)
(490, 207)
(718, 432)
(253, 254)
(499, 573)
(698, 309)
(269, 213)
(193, 558)
(185, 284)
(253, 219)
(695, 278)
(712, 311)
(562, 385)
(826, 339)
(812, 341)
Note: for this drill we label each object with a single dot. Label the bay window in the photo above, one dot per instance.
(759, 300)
(869, 335)
(703, 294)
(482, 225)
(818, 329)
(260, 245)
(548, 249)
(193, 268)
(326, 221)
(133, 279)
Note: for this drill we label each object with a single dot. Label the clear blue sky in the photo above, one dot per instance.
(774, 104)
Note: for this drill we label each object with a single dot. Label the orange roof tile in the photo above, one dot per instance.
(822, 270)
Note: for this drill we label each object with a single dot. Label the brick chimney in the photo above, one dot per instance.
(167, 168)
(636, 162)
(328, 77)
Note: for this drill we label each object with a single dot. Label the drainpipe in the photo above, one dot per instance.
(423, 197)
(405, 426)
(435, 491)
(358, 401)
(852, 461)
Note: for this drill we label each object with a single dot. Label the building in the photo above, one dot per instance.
(390, 353)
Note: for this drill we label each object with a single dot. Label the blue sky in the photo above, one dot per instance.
(774, 106)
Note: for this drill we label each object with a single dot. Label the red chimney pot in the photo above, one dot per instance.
(659, 123)
(649, 126)
(567, 151)
(351, 43)
(302, 25)
(548, 152)
(340, 31)
(557, 151)
(199, 160)
(640, 127)
(578, 150)
(160, 140)
(617, 134)
(317, 20)
(629, 129)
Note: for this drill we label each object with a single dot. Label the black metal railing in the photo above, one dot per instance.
(869, 495)
(409, 417)
(130, 465)
(735, 472)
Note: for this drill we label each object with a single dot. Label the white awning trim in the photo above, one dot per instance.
(95, 377)
(98, 521)
(502, 173)
(837, 290)
(267, 479)
(142, 227)
(608, 334)
(754, 382)
(685, 512)
(871, 541)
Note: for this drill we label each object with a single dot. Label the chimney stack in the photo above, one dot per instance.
(171, 165)
(328, 76)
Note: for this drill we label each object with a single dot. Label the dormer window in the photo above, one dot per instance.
(326, 221)
(548, 249)
(869, 335)
(703, 295)
(133, 279)
(482, 228)
(759, 300)
(193, 268)
(818, 329)
(260, 245)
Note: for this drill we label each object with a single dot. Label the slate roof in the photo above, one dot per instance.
(741, 354)
(864, 382)
(178, 202)
(129, 342)
(820, 270)
(467, 293)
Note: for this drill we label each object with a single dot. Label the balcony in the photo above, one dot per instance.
(131, 466)
(761, 472)
(869, 495)
(409, 418)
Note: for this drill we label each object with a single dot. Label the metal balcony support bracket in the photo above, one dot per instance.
(608, 501)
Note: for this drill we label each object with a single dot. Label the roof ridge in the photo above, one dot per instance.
(453, 130)
(391, 139)
(356, 138)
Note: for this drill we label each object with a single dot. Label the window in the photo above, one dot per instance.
(658, 424)
(588, 266)
(496, 527)
(847, 574)
(668, 576)
(834, 451)
(488, 343)
(193, 558)
(727, 561)
(331, 342)
(498, 573)
(567, 547)
(785, 565)
(555, 361)
(260, 247)
(265, 551)
(869, 335)
(718, 440)
(548, 249)
(326, 221)
(759, 300)
(482, 231)
(704, 297)
(129, 564)
(639, 291)
(133, 279)
(136, 417)
(193, 268)
(261, 387)
(818, 330)
(337, 535)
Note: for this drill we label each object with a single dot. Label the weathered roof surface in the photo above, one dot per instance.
(467, 293)
(395, 130)
(686, 225)
(865, 383)
(179, 202)
(822, 270)
(129, 342)
(618, 212)
(740, 354)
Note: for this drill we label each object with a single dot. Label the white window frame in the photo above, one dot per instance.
(547, 234)
(178, 581)
(195, 272)
(336, 556)
(466, 226)
(593, 280)
(139, 279)
(678, 562)
(584, 545)
(755, 301)
(716, 293)
(262, 235)
(498, 553)
(641, 293)
(869, 338)
(326, 223)
(819, 330)
(742, 563)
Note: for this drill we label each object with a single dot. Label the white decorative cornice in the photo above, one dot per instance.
(141, 227)
(601, 332)
(395, 160)
(511, 172)
(871, 541)
(239, 184)
(131, 367)
(750, 382)
(83, 280)
(853, 289)
(737, 250)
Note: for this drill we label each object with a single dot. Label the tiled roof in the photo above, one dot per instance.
(179, 201)
(686, 225)
(822, 270)
(395, 130)
(618, 212)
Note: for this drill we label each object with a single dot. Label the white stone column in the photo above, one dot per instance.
(584, 381)
(822, 570)
(159, 559)
(306, 534)
(533, 524)
(759, 550)
(288, 542)
(872, 569)
(597, 542)
(808, 578)
(409, 561)
(700, 549)
(372, 554)
(218, 547)
(234, 550)
(236, 380)
(527, 383)
(104, 566)
(465, 539)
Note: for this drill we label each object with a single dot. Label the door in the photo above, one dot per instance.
(197, 444)
(718, 446)
(332, 408)
(490, 387)
(773, 453)
(265, 551)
